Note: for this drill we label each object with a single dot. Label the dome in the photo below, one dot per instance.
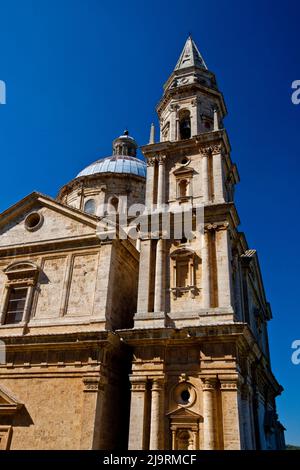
(124, 164)
(122, 161)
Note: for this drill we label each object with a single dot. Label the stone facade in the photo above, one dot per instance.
(155, 343)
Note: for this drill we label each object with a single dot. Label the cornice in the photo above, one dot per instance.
(215, 141)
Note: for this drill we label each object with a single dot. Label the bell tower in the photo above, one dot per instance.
(201, 377)
(191, 103)
(190, 169)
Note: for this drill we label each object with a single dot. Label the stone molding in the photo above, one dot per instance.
(216, 226)
(209, 383)
(94, 384)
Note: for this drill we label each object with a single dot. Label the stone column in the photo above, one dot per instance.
(161, 181)
(28, 302)
(4, 303)
(194, 118)
(205, 178)
(205, 272)
(92, 409)
(177, 129)
(138, 413)
(144, 277)
(150, 182)
(159, 276)
(173, 439)
(160, 247)
(209, 413)
(156, 415)
(230, 413)
(224, 268)
(237, 288)
(218, 174)
(248, 431)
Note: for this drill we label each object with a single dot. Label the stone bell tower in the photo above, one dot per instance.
(201, 376)
(182, 279)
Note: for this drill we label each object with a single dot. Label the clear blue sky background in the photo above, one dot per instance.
(79, 71)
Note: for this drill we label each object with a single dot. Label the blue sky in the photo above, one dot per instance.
(79, 71)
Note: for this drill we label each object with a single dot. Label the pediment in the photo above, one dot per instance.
(58, 222)
(183, 171)
(9, 404)
(183, 413)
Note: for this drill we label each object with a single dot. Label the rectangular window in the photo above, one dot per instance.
(16, 305)
(182, 273)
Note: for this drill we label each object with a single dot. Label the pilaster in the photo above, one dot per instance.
(138, 413)
(230, 412)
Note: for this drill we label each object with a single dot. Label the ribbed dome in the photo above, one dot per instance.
(116, 164)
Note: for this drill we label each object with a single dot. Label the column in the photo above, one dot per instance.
(209, 413)
(159, 276)
(92, 410)
(28, 303)
(205, 178)
(247, 418)
(224, 269)
(150, 182)
(144, 277)
(173, 439)
(4, 303)
(138, 409)
(237, 289)
(156, 415)
(205, 272)
(177, 129)
(161, 181)
(218, 174)
(194, 116)
(230, 413)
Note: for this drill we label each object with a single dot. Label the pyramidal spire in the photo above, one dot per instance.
(190, 56)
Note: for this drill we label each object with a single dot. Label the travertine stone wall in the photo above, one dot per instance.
(129, 189)
(55, 227)
(51, 418)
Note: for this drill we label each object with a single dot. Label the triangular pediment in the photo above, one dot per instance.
(9, 404)
(58, 222)
(183, 413)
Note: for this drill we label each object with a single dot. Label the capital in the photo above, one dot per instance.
(161, 159)
(157, 384)
(150, 161)
(209, 383)
(138, 383)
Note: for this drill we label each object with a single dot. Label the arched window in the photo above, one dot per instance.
(185, 125)
(90, 206)
(114, 202)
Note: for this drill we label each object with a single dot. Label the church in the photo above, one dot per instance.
(122, 339)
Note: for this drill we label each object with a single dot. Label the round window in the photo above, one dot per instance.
(184, 394)
(184, 161)
(33, 221)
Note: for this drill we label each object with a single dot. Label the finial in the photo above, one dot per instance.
(152, 134)
(126, 132)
